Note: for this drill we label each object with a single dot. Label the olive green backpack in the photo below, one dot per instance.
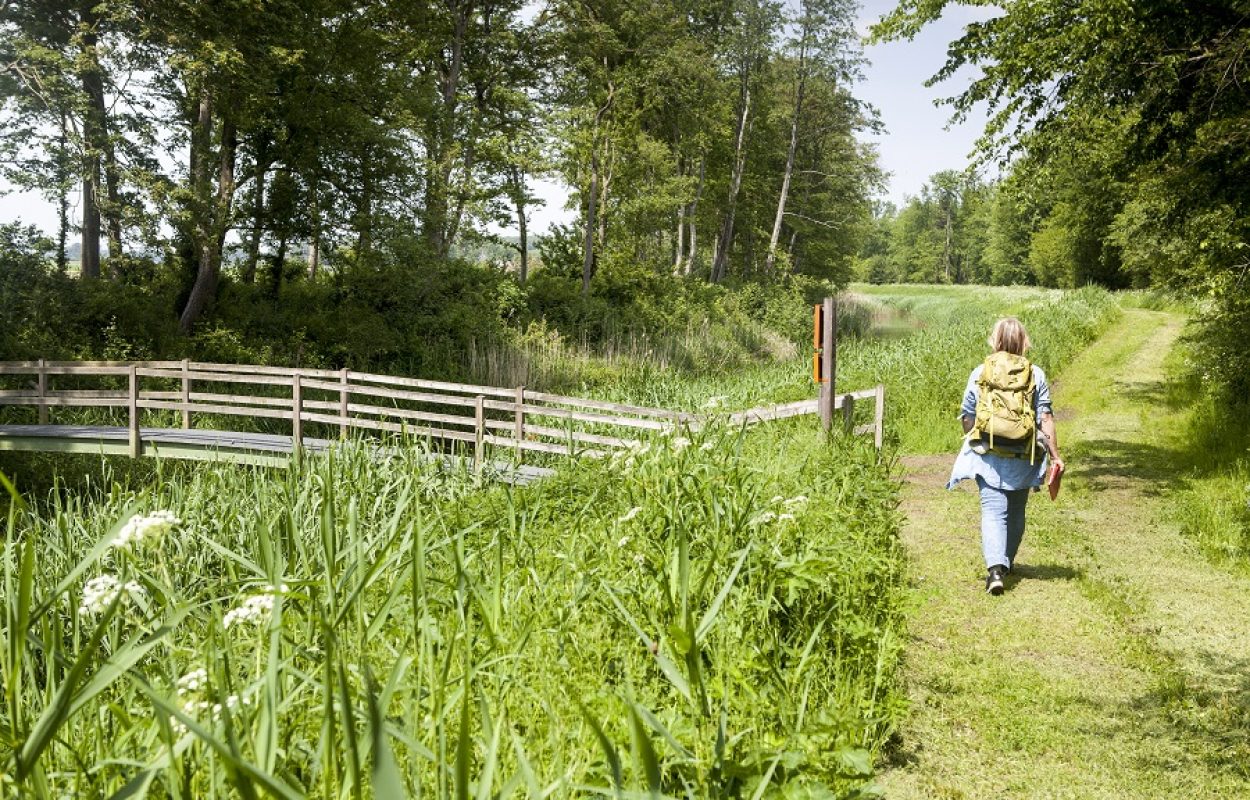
(1005, 421)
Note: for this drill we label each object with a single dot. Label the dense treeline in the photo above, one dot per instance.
(960, 229)
(226, 151)
(1127, 130)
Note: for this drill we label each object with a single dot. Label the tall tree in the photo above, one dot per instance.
(825, 45)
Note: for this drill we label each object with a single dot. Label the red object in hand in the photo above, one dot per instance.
(1053, 477)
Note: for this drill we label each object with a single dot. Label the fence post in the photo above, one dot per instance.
(828, 362)
(297, 414)
(848, 413)
(519, 422)
(42, 384)
(879, 417)
(479, 430)
(136, 447)
(343, 404)
(186, 393)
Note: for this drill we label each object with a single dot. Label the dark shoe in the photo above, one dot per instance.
(994, 580)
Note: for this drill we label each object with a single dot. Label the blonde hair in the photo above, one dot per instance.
(1009, 336)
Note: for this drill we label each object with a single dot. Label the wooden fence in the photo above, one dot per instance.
(336, 402)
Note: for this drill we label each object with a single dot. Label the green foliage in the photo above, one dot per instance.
(717, 619)
(1127, 134)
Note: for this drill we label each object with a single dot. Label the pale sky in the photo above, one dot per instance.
(916, 142)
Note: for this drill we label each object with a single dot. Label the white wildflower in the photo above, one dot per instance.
(777, 499)
(706, 446)
(193, 682)
(140, 528)
(797, 500)
(624, 540)
(99, 593)
(253, 610)
(715, 402)
(640, 559)
(785, 517)
(680, 443)
(633, 512)
(762, 518)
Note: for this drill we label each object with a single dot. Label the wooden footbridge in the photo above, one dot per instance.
(147, 408)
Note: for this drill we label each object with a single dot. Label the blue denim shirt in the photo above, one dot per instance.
(998, 471)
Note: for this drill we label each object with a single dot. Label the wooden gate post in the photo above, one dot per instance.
(848, 413)
(519, 423)
(879, 417)
(186, 393)
(43, 392)
(479, 430)
(343, 404)
(828, 361)
(132, 402)
(297, 414)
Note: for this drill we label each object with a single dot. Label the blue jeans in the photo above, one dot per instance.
(1002, 523)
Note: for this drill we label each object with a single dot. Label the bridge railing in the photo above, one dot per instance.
(340, 401)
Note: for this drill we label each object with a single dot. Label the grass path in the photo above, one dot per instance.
(1117, 664)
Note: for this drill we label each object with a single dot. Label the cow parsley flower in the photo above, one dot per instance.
(140, 528)
(193, 682)
(254, 609)
(628, 515)
(762, 518)
(100, 592)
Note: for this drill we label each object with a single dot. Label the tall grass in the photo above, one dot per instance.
(714, 615)
(717, 618)
(1209, 450)
(925, 373)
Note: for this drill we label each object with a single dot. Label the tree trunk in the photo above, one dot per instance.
(692, 215)
(279, 266)
(214, 220)
(364, 211)
(441, 140)
(93, 134)
(589, 261)
(785, 181)
(605, 188)
(720, 261)
(90, 265)
(62, 199)
(258, 215)
(523, 233)
(314, 258)
(102, 146)
(679, 253)
(592, 206)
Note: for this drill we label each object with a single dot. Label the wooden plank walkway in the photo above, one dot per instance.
(263, 449)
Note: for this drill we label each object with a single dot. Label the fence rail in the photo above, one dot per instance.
(506, 417)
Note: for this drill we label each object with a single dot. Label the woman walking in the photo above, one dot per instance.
(1010, 441)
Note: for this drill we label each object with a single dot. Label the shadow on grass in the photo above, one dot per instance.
(1040, 572)
(1210, 725)
(1110, 463)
